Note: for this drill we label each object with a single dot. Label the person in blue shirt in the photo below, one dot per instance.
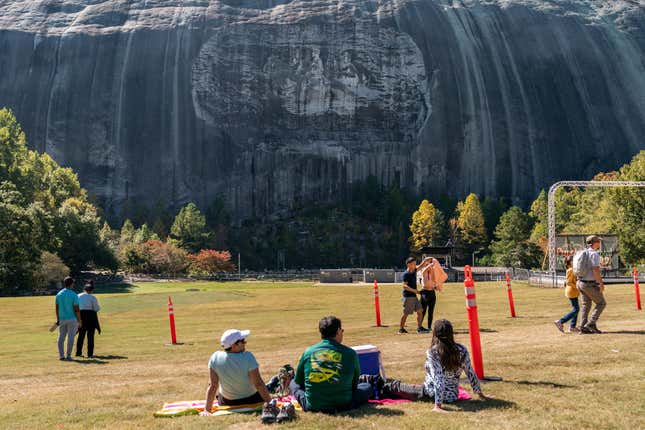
(68, 317)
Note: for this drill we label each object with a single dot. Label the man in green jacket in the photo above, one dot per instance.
(328, 371)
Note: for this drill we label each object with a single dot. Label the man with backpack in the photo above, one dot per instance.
(586, 266)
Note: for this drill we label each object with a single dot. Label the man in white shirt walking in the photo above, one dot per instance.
(591, 287)
(89, 307)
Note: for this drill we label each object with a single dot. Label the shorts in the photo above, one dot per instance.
(410, 305)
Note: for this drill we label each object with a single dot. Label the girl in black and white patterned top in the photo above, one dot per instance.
(445, 360)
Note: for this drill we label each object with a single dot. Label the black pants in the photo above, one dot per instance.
(255, 398)
(90, 325)
(90, 340)
(428, 300)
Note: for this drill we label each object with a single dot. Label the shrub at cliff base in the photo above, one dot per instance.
(154, 256)
(51, 269)
(209, 261)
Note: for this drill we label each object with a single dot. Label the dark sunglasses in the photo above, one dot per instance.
(241, 341)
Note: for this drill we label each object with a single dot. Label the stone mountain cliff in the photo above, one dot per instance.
(272, 104)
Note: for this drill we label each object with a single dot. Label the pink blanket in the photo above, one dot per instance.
(463, 394)
(389, 401)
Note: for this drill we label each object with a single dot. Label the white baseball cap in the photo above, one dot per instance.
(229, 337)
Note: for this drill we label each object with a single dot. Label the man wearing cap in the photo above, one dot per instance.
(68, 317)
(234, 374)
(591, 287)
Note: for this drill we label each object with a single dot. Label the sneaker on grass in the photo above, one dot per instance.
(403, 331)
(287, 413)
(422, 330)
(559, 325)
(269, 412)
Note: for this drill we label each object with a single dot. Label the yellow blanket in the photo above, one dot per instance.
(194, 407)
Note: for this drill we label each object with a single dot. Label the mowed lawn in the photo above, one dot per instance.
(550, 380)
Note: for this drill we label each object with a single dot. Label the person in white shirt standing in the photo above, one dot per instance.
(591, 287)
(89, 306)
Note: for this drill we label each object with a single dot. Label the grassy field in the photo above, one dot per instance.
(550, 380)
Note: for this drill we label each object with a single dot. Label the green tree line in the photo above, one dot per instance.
(49, 227)
(520, 238)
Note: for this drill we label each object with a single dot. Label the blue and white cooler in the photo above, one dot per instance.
(369, 358)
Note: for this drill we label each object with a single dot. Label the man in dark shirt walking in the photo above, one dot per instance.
(410, 301)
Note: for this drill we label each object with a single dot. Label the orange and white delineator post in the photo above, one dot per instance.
(637, 289)
(509, 292)
(377, 304)
(171, 317)
(473, 322)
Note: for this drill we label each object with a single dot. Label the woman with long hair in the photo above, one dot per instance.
(445, 360)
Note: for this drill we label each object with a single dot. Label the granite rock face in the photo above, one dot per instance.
(275, 104)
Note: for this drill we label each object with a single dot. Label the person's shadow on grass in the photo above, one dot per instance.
(92, 360)
(542, 383)
(369, 410)
(111, 357)
(99, 359)
(624, 332)
(478, 405)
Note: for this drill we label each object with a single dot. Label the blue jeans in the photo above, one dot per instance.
(360, 396)
(573, 313)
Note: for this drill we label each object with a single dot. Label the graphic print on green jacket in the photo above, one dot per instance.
(326, 365)
(328, 372)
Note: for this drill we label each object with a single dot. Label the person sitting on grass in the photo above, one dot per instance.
(327, 374)
(445, 360)
(234, 374)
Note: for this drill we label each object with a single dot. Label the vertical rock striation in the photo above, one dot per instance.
(274, 104)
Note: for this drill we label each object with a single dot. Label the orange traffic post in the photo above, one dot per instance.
(377, 304)
(637, 289)
(473, 322)
(171, 316)
(509, 291)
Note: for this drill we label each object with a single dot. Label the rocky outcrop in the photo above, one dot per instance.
(274, 104)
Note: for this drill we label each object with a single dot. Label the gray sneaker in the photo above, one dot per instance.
(421, 330)
(593, 328)
(559, 325)
(269, 412)
(287, 413)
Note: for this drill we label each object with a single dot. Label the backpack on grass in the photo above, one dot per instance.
(581, 263)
